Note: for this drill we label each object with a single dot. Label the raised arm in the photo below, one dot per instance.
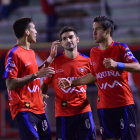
(52, 55)
(130, 67)
(87, 79)
(19, 82)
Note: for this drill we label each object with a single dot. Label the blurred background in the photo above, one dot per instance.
(49, 16)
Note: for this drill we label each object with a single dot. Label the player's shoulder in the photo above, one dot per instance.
(83, 56)
(13, 51)
(121, 45)
(58, 57)
(95, 48)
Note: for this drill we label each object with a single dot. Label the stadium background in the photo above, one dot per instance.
(80, 14)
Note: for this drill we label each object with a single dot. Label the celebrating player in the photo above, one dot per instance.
(115, 104)
(74, 119)
(23, 83)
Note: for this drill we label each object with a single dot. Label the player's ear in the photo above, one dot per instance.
(27, 32)
(108, 31)
(78, 39)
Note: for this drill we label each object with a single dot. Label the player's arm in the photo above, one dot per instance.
(84, 80)
(130, 67)
(44, 88)
(19, 82)
(52, 55)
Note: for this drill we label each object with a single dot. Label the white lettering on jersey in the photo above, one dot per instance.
(104, 85)
(72, 89)
(104, 74)
(35, 88)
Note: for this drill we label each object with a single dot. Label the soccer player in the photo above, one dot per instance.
(23, 83)
(74, 120)
(115, 104)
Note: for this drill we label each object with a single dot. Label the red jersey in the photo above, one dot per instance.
(113, 88)
(74, 98)
(20, 62)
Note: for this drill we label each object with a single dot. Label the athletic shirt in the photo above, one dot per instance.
(113, 88)
(74, 96)
(20, 62)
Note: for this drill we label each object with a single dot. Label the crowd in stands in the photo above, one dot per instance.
(8, 6)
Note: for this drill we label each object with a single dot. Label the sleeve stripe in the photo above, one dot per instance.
(127, 50)
(9, 61)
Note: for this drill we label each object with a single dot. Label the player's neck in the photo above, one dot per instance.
(23, 43)
(105, 44)
(71, 54)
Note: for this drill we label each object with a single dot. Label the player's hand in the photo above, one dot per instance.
(109, 63)
(45, 97)
(43, 72)
(64, 83)
(54, 46)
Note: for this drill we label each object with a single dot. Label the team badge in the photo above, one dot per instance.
(64, 103)
(27, 104)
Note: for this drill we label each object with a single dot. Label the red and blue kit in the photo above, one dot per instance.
(71, 101)
(113, 88)
(21, 62)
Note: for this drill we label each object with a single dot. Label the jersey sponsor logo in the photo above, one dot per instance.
(104, 74)
(82, 69)
(34, 89)
(105, 85)
(71, 90)
(70, 78)
(59, 70)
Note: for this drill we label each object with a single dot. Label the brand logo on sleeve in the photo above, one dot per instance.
(82, 69)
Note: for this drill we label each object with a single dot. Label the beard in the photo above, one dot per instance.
(70, 47)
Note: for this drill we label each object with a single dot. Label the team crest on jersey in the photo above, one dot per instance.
(82, 69)
(27, 104)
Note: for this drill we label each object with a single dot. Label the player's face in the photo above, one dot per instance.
(99, 34)
(32, 33)
(69, 40)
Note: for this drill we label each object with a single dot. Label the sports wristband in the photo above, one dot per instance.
(49, 59)
(120, 65)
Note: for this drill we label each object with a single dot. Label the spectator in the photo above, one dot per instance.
(48, 8)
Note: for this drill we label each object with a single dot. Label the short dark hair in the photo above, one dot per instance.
(106, 22)
(20, 25)
(67, 29)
